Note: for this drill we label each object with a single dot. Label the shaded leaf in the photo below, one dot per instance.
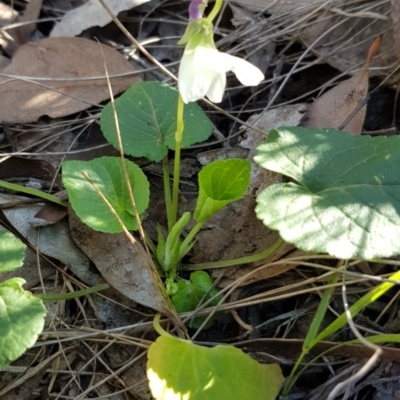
(178, 369)
(21, 320)
(12, 251)
(147, 121)
(107, 175)
(346, 201)
(190, 293)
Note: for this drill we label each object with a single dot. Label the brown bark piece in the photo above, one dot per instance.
(59, 77)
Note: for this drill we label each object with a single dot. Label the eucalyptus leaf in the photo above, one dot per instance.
(21, 320)
(346, 201)
(179, 369)
(221, 183)
(12, 251)
(147, 121)
(107, 175)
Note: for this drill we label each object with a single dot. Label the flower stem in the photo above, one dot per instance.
(191, 236)
(237, 261)
(177, 160)
(167, 191)
(214, 12)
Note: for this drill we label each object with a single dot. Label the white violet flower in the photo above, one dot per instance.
(203, 68)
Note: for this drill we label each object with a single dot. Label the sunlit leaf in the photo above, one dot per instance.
(179, 369)
(147, 121)
(346, 201)
(221, 183)
(107, 175)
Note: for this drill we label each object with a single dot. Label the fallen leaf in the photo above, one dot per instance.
(91, 14)
(340, 106)
(20, 34)
(19, 167)
(7, 14)
(124, 266)
(59, 77)
(53, 240)
(338, 32)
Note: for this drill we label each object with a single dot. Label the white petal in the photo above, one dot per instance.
(214, 59)
(216, 90)
(186, 76)
(247, 73)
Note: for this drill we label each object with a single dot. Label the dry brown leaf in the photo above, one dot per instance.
(338, 31)
(341, 35)
(20, 34)
(395, 14)
(124, 266)
(52, 240)
(59, 77)
(91, 14)
(340, 106)
(7, 14)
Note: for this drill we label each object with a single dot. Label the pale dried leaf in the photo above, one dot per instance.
(342, 34)
(20, 34)
(91, 14)
(7, 14)
(59, 77)
(125, 267)
(4, 61)
(51, 240)
(340, 106)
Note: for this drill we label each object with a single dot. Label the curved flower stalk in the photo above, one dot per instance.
(203, 68)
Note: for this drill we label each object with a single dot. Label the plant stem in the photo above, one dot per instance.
(190, 236)
(167, 191)
(73, 295)
(312, 332)
(177, 160)
(33, 192)
(237, 261)
(214, 12)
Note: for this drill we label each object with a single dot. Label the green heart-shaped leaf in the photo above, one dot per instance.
(347, 199)
(21, 320)
(221, 183)
(107, 175)
(147, 121)
(179, 369)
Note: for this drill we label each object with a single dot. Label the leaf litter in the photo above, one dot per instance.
(279, 29)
